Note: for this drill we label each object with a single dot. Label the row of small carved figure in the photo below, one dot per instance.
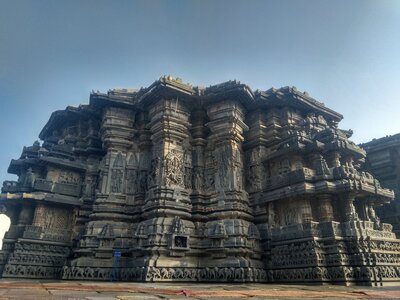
(216, 273)
(385, 245)
(311, 258)
(388, 258)
(347, 259)
(348, 247)
(336, 273)
(159, 274)
(205, 274)
(30, 247)
(289, 249)
(379, 234)
(297, 255)
(22, 258)
(284, 261)
(28, 271)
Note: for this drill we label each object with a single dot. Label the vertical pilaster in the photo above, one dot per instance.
(349, 210)
(231, 224)
(324, 209)
(227, 127)
(110, 219)
(167, 227)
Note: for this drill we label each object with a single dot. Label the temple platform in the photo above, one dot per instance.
(53, 289)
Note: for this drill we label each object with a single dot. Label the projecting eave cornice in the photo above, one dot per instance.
(61, 117)
(100, 100)
(386, 142)
(230, 90)
(290, 96)
(23, 163)
(166, 87)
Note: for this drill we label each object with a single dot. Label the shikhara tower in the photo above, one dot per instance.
(181, 183)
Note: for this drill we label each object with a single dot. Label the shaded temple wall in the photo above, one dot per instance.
(383, 161)
(181, 183)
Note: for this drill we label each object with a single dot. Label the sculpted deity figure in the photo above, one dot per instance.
(116, 181)
(373, 217)
(131, 186)
(198, 179)
(29, 178)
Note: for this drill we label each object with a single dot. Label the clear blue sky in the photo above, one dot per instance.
(53, 53)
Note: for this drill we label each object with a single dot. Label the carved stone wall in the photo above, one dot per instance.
(181, 183)
(383, 161)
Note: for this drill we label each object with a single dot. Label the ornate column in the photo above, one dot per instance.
(349, 210)
(111, 210)
(167, 228)
(334, 159)
(227, 127)
(199, 132)
(324, 208)
(305, 210)
(26, 215)
(171, 161)
(229, 223)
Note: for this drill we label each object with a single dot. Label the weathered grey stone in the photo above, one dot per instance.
(383, 161)
(180, 183)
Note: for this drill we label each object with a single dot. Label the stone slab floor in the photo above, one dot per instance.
(73, 290)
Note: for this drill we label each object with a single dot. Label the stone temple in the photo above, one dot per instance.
(383, 161)
(182, 183)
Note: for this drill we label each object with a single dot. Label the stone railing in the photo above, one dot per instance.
(67, 189)
(59, 188)
(43, 185)
(54, 235)
(57, 235)
(356, 228)
(289, 178)
(10, 186)
(14, 232)
(32, 232)
(295, 231)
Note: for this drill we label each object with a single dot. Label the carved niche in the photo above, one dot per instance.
(117, 174)
(179, 239)
(174, 168)
(132, 174)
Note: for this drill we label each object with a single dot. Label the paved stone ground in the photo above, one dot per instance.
(73, 290)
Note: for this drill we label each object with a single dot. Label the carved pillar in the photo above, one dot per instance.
(40, 215)
(319, 164)
(116, 134)
(167, 202)
(349, 210)
(227, 127)
(110, 209)
(334, 159)
(13, 213)
(171, 162)
(324, 208)
(305, 210)
(199, 132)
(229, 200)
(255, 147)
(25, 215)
